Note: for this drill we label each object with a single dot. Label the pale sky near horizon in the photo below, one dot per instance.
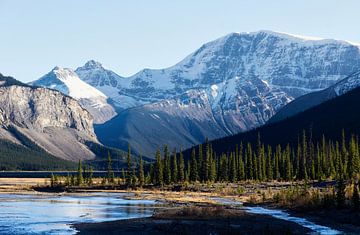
(127, 36)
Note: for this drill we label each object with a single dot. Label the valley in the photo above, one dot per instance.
(250, 133)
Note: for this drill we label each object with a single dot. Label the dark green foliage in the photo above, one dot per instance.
(174, 168)
(129, 167)
(118, 157)
(328, 119)
(232, 170)
(141, 172)
(158, 169)
(193, 167)
(123, 175)
(301, 162)
(167, 167)
(181, 168)
(29, 156)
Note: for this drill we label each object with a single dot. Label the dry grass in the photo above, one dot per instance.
(198, 212)
(19, 184)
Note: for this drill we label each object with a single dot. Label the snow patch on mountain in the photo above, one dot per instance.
(67, 81)
(348, 84)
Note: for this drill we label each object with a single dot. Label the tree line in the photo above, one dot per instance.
(308, 160)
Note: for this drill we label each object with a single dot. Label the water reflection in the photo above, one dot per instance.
(34, 214)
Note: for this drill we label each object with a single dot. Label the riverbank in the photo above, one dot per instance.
(195, 219)
(203, 195)
(344, 220)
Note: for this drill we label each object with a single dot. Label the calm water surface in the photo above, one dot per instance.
(49, 214)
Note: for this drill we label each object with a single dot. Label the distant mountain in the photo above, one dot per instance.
(6, 81)
(310, 100)
(67, 82)
(233, 84)
(328, 118)
(192, 117)
(54, 122)
(43, 129)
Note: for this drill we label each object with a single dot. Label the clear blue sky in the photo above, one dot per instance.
(127, 36)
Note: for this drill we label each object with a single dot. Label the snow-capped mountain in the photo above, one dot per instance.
(231, 84)
(316, 98)
(296, 65)
(107, 82)
(67, 81)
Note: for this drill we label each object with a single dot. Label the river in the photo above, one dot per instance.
(53, 214)
(49, 214)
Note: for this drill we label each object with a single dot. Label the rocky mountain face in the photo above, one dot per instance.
(297, 65)
(190, 118)
(316, 98)
(229, 85)
(67, 82)
(56, 123)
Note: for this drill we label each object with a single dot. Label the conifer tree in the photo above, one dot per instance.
(304, 152)
(193, 167)
(152, 178)
(240, 162)
(260, 156)
(353, 163)
(205, 163)
(167, 171)
(233, 173)
(277, 163)
(129, 167)
(181, 167)
(241, 175)
(133, 178)
(123, 175)
(249, 161)
(212, 170)
(269, 165)
(344, 154)
(199, 161)
(158, 169)
(174, 168)
(287, 160)
(141, 172)
(223, 171)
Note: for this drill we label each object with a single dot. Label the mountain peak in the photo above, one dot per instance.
(92, 64)
(56, 68)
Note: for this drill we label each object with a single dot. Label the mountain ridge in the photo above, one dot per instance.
(66, 81)
(264, 72)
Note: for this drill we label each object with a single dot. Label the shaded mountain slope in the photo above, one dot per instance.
(329, 119)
